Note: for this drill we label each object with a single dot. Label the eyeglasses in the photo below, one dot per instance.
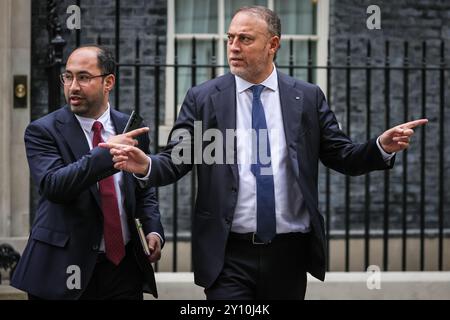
(82, 79)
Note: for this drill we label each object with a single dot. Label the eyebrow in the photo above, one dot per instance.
(81, 72)
(242, 34)
(239, 34)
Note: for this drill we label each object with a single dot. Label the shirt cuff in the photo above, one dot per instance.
(145, 178)
(386, 156)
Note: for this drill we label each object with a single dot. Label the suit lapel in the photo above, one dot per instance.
(119, 120)
(224, 103)
(72, 132)
(291, 100)
(70, 129)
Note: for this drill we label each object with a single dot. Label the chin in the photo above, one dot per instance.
(79, 110)
(239, 72)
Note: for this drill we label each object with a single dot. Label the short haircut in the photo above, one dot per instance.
(270, 17)
(105, 58)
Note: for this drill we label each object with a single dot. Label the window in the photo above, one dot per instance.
(208, 20)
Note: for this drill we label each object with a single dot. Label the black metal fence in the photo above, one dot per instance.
(438, 70)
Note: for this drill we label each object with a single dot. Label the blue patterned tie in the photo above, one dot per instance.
(262, 170)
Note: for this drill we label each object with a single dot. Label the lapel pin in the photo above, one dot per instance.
(297, 98)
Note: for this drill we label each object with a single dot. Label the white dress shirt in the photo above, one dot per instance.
(108, 131)
(291, 214)
(290, 211)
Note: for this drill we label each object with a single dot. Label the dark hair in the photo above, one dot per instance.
(271, 18)
(105, 58)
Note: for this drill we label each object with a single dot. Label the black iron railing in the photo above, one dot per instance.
(382, 184)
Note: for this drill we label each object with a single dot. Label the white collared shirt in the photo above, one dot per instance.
(107, 132)
(291, 215)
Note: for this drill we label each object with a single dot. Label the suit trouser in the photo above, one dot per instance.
(111, 282)
(262, 271)
(116, 282)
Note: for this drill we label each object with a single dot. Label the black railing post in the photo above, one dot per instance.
(157, 93)
(291, 57)
(405, 154)
(347, 178)
(54, 56)
(175, 185)
(422, 159)
(441, 157)
(213, 58)
(367, 177)
(194, 62)
(137, 75)
(310, 61)
(193, 171)
(327, 170)
(117, 47)
(387, 79)
(157, 76)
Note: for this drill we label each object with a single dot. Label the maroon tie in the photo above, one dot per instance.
(112, 229)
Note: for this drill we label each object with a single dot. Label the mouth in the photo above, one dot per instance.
(235, 61)
(75, 100)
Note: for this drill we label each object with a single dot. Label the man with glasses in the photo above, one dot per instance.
(256, 229)
(84, 243)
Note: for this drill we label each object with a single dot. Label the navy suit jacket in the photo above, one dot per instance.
(312, 134)
(68, 227)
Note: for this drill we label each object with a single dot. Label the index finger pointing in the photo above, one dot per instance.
(137, 132)
(112, 145)
(413, 124)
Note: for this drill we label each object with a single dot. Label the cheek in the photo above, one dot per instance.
(90, 94)
(253, 57)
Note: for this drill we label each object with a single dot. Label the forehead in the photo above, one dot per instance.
(84, 59)
(248, 22)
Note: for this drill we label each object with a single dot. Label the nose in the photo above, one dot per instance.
(74, 86)
(233, 45)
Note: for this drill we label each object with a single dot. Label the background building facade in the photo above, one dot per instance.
(379, 219)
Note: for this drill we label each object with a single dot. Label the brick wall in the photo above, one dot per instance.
(404, 20)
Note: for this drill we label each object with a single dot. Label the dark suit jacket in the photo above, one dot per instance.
(312, 134)
(69, 222)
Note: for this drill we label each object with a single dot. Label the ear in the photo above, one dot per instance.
(110, 80)
(274, 45)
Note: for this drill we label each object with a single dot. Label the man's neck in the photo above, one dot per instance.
(104, 108)
(260, 78)
(97, 115)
